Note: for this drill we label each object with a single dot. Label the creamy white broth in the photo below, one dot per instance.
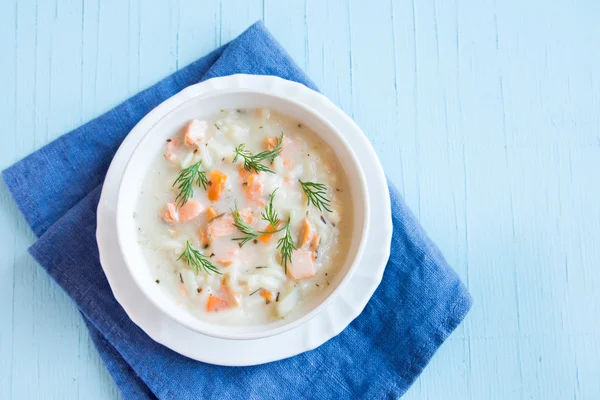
(253, 287)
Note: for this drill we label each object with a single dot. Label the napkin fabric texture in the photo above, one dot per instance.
(418, 304)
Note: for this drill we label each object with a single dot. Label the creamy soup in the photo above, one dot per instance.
(244, 216)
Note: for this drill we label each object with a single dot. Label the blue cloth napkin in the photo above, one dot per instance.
(418, 304)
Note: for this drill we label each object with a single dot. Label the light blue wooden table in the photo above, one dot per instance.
(485, 113)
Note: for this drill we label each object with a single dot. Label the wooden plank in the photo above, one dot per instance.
(8, 210)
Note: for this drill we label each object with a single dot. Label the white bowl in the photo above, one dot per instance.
(187, 105)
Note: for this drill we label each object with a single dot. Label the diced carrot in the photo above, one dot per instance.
(170, 149)
(305, 234)
(215, 303)
(169, 214)
(194, 132)
(269, 228)
(302, 265)
(314, 245)
(216, 184)
(190, 210)
(268, 296)
(204, 240)
(211, 213)
(244, 174)
(271, 143)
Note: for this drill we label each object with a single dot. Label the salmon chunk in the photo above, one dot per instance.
(302, 265)
(171, 148)
(190, 210)
(216, 184)
(194, 132)
(232, 298)
(223, 225)
(169, 214)
(251, 186)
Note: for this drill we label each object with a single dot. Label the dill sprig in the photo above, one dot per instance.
(253, 162)
(286, 246)
(249, 232)
(315, 194)
(197, 260)
(186, 180)
(270, 215)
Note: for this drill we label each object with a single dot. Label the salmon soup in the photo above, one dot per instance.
(244, 217)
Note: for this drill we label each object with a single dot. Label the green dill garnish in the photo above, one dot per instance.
(186, 179)
(254, 291)
(195, 259)
(261, 267)
(286, 246)
(315, 194)
(253, 162)
(270, 215)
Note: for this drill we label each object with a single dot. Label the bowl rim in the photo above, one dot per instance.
(170, 106)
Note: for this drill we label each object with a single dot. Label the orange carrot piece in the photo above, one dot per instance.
(304, 234)
(215, 303)
(204, 239)
(269, 228)
(268, 296)
(271, 143)
(314, 245)
(211, 213)
(216, 182)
